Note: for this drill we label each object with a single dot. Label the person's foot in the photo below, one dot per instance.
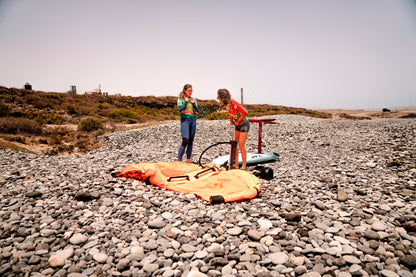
(188, 161)
(244, 168)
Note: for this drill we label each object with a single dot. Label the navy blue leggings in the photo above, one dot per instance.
(188, 129)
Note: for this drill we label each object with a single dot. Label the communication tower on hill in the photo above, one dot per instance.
(73, 89)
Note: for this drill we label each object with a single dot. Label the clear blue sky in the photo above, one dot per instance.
(300, 53)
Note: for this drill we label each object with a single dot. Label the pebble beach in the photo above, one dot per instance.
(342, 203)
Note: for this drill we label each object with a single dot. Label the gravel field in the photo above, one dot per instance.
(342, 203)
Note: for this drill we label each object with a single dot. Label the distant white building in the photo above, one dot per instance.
(95, 91)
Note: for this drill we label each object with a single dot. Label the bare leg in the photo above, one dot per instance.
(242, 145)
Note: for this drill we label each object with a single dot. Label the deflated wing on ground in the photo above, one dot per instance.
(210, 182)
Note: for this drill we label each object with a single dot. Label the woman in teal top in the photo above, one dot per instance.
(188, 109)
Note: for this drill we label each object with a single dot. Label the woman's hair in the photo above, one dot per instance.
(182, 93)
(224, 96)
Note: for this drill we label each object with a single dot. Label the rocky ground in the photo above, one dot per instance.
(342, 203)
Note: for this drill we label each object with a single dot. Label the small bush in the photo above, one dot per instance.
(206, 110)
(7, 98)
(347, 116)
(90, 123)
(70, 109)
(57, 131)
(120, 104)
(55, 140)
(53, 96)
(102, 106)
(121, 114)
(49, 118)
(410, 115)
(4, 109)
(143, 112)
(312, 114)
(77, 109)
(38, 102)
(83, 110)
(12, 125)
(85, 142)
(10, 145)
(163, 117)
(218, 115)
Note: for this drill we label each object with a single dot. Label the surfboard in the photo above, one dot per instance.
(252, 158)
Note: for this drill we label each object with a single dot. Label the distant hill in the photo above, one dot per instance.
(64, 108)
(56, 123)
(61, 123)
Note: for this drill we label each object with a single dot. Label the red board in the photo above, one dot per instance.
(263, 120)
(260, 121)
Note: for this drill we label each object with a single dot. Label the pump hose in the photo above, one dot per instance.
(215, 144)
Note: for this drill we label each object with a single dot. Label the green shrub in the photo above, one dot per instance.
(410, 115)
(4, 109)
(144, 112)
(102, 106)
(37, 101)
(53, 96)
(8, 98)
(121, 114)
(206, 110)
(70, 109)
(346, 116)
(259, 110)
(120, 104)
(49, 118)
(314, 114)
(218, 115)
(83, 110)
(12, 125)
(90, 123)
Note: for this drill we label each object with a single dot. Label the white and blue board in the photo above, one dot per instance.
(252, 158)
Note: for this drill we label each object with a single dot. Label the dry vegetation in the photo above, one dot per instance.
(62, 123)
(368, 115)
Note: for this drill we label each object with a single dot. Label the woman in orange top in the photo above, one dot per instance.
(238, 118)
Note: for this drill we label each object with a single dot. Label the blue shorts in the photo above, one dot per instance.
(243, 128)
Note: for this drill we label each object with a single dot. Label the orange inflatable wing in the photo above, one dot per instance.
(212, 183)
